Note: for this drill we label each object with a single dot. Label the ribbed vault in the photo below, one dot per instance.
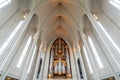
(59, 18)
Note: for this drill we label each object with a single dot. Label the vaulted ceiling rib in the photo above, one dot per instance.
(59, 18)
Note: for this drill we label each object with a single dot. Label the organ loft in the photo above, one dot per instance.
(59, 65)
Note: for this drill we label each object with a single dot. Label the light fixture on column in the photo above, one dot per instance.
(83, 35)
(95, 17)
(35, 35)
(45, 47)
(25, 13)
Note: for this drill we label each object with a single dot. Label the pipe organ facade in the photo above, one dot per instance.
(59, 62)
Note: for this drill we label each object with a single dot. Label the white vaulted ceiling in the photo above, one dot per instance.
(60, 18)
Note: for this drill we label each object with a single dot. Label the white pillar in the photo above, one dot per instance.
(37, 64)
(95, 73)
(24, 74)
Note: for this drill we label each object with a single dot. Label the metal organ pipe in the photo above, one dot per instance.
(51, 62)
(63, 49)
(63, 69)
(58, 59)
(56, 69)
(59, 67)
(68, 63)
(56, 49)
(59, 44)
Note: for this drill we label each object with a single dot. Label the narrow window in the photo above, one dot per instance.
(24, 52)
(0, 76)
(31, 60)
(39, 69)
(109, 37)
(115, 3)
(3, 47)
(3, 3)
(80, 69)
(95, 53)
(88, 61)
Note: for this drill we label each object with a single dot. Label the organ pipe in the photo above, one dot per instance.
(63, 49)
(59, 60)
(59, 44)
(68, 64)
(51, 62)
(56, 49)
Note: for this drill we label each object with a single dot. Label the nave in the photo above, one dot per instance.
(59, 40)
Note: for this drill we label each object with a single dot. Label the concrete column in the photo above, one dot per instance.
(76, 64)
(13, 45)
(83, 66)
(73, 65)
(45, 65)
(110, 52)
(24, 74)
(95, 73)
(37, 64)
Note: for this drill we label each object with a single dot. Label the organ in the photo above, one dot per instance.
(59, 62)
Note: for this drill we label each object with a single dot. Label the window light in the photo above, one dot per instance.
(3, 3)
(109, 37)
(32, 59)
(88, 61)
(24, 52)
(3, 47)
(95, 53)
(115, 3)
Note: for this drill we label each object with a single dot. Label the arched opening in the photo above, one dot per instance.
(59, 61)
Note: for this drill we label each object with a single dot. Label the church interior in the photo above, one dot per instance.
(60, 40)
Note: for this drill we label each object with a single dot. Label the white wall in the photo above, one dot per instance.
(8, 11)
(112, 12)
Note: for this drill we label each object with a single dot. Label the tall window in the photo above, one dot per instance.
(39, 69)
(80, 69)
(31, 60)
(3, 3)
(115, 3)
(95, 52)
(109, 37)
(20, 61)
(6, 43)
(88, 61)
